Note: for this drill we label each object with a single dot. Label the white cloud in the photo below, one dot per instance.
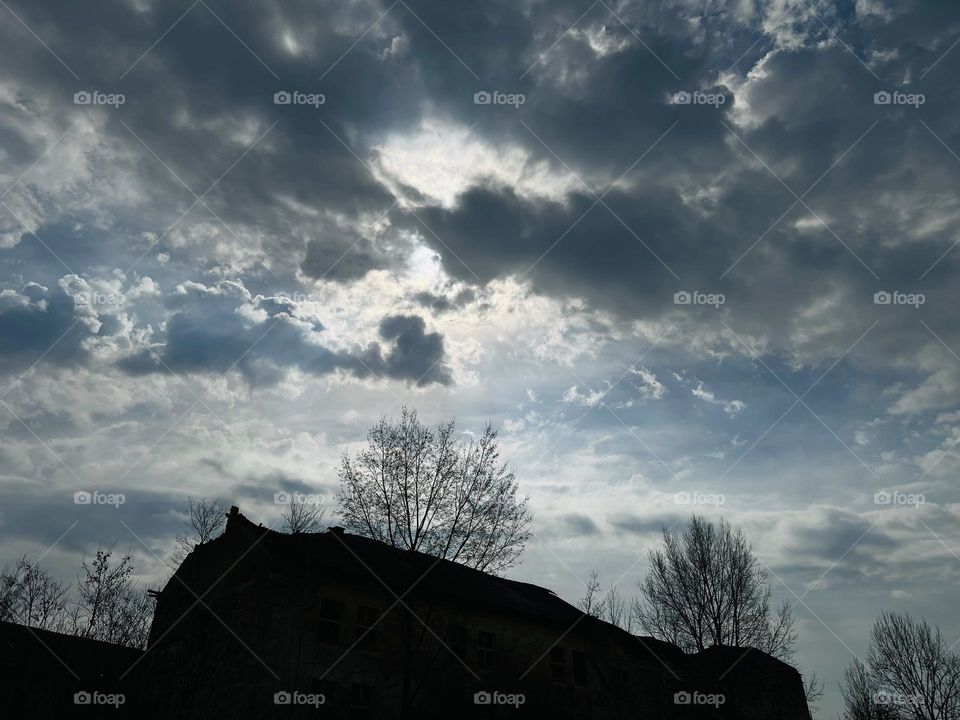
(590, 398)
(441, 160)
(730, 407)
(651, 387)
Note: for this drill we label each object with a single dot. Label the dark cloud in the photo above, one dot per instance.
(443, 303)
(335, 261)
(262, 489)
(41, 515)
(38, 323)
(838, 533)
(577, 525)
(596, 97)
(217, 101)
(211, 332)
(492, 232)
(646, 525)
(416, 354)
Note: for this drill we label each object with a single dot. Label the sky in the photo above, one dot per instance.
(688, 256)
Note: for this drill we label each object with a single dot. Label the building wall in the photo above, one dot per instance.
(266, 628)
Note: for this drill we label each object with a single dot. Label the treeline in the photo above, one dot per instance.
(908, 673)
(106, 603)
(705, 586)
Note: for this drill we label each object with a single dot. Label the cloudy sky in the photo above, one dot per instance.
(645, 238)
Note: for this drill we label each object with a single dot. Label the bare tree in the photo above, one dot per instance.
(303, 517)
(205, 520)
(609, 606)
(9, 594)
(813, 691)
(909, 673)
(421, 489)
(591, 603)
(861, 696)
(29, 595)
(110, 605)
(706, 587)
(616, 611)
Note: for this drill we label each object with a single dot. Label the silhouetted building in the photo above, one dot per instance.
(258, 623)
(52, 675)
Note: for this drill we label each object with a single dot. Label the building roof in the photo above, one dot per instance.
(379, 564)
(723, 659)
(58, 654)
(415, 575)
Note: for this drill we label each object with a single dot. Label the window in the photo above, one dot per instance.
(485, 649)
(558, 664)
(459, 637)
(366, 632)
(330, 690)
(579, 667)
(328, 629)
(362, 698)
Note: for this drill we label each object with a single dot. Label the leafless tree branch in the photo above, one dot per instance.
(419, 488)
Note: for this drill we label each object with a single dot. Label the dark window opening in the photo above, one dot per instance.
(367, 628)
(485, 649)
(362, 698)
(459, 637)
(558, 664)
(328, 628)
(330, 690)
(579, 667)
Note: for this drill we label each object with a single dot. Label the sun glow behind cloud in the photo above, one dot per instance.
(442, 159)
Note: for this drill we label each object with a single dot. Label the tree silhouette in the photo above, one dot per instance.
(420, 489)
(302, 517)
(205, 520)
(909, 674)
(110, 605)
(706, 587)
(29, 595)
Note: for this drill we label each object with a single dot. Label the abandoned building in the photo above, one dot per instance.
(262, 624)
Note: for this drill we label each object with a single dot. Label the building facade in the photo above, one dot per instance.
(258, 623)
